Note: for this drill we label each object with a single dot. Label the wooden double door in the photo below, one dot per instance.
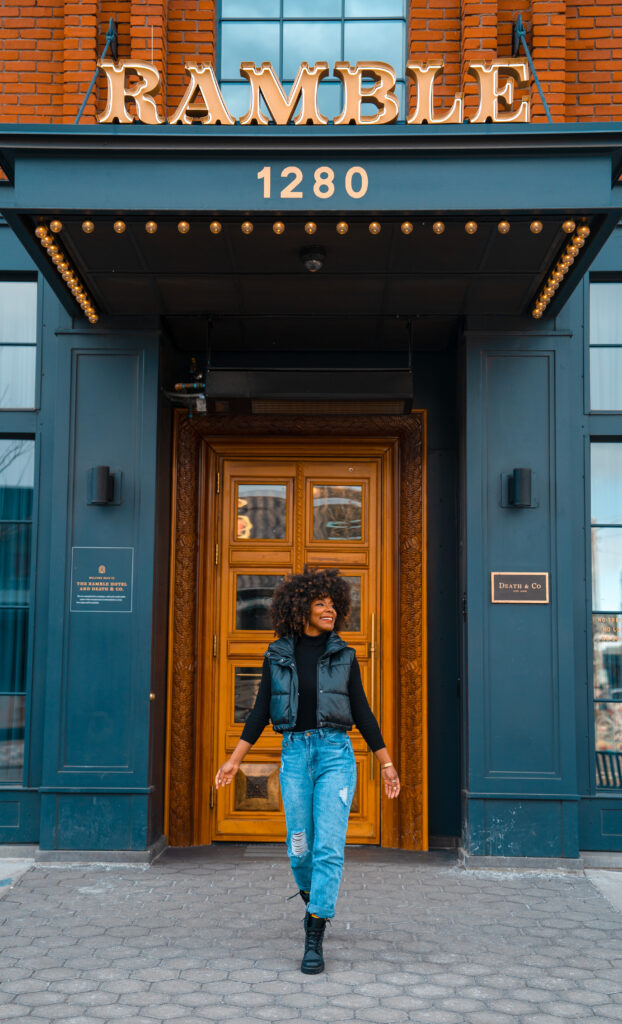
(278, 504)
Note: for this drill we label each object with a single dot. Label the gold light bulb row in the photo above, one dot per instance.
(342, 227)
(48, 241)
(563, 265)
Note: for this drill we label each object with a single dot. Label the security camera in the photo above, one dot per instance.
(313, 258)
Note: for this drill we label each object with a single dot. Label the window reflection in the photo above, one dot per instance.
(318, 9)
(354, 622)
(608, 726)
(18, 338)
(250, 8)
(16, 489)
(325, 30)
(606, 378)
(375, 40)
(606, 569)
(337, 512)
(606, 363)
(605, 313)
(18, 312)
(310, 41)
(261, 511)
(606, 478)
(372, 8)
(17, 472)
(607, 634)
(606, 506)
(12, 715)
(253, 599)
(246, 685)
(248, 40)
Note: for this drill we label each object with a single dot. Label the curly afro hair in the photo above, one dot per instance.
(293, 597)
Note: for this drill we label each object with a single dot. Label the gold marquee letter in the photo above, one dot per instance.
(382, 92)
(491, 95)
(424, 76)
(203, 81)
(142, 92)
(264, 82)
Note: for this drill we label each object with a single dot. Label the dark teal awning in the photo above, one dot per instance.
(454, 174)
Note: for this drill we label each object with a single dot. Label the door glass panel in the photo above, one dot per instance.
(337, 512)
(262, 511)
(354, 622)
(246, 684)
(253, 598)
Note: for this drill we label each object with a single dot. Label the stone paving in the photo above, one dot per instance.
(206, 935)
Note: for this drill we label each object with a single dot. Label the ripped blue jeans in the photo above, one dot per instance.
(318, 779)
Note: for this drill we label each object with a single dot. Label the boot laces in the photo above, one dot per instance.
(315, 936)
(299, 892)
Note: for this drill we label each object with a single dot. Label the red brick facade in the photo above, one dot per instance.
(49, 50)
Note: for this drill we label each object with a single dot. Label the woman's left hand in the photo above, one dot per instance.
(391, 782)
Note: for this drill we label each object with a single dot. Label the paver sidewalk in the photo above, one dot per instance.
(206, 935)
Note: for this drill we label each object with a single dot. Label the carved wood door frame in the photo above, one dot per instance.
(405, 821)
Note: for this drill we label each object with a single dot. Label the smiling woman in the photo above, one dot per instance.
(311, 691)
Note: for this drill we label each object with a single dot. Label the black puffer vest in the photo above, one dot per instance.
(333, 673)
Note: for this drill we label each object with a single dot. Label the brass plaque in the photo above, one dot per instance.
(519, 587)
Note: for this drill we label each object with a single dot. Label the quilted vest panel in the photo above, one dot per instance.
(333, 701)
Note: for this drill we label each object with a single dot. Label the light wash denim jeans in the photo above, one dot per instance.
(318, 779)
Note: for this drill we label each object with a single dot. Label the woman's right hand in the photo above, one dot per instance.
(226, 773)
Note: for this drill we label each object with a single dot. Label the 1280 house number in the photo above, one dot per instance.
(355, 182)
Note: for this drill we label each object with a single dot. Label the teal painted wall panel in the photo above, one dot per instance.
(521, 727)
(519, 722)
(19, 817)
(93, 822)
(522, 828)
(99, 712)
(99, 667)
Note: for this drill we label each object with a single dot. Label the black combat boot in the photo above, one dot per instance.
(313, 961)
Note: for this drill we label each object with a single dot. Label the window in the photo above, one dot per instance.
(16, 504)
(606, 346)
(18, 344)
(286, 32)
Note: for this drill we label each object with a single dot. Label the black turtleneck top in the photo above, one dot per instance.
(307, 653)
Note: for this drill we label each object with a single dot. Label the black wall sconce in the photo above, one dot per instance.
(517, 489)
(102, 486)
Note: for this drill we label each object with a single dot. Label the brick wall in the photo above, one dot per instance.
(49, 50)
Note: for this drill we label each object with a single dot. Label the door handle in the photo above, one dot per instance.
(372, 673)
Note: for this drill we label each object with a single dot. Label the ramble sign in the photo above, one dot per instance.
(367, 82)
